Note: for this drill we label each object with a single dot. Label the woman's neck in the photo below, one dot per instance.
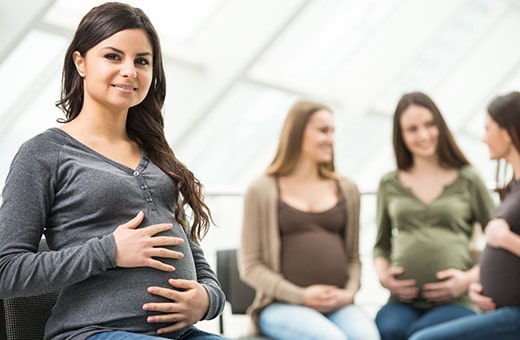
(425, 165)
(305, 171)
(104, 125)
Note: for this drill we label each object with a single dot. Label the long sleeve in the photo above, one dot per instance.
(352, 198)
(259, 255)
(207, 278)
(77, 197)
(382, 247)
(28, 197)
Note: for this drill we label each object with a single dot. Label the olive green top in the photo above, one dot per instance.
(426, 238)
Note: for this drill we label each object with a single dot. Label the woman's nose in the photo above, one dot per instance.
(128, 70)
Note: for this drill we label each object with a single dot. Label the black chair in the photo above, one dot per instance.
(25, 317)
(3, 334)
(238, 294)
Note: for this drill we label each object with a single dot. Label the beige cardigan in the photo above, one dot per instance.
(259, 254)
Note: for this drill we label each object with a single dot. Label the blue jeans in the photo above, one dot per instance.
(503, 324)
(283, 321)
(398, 321)
(196, 334)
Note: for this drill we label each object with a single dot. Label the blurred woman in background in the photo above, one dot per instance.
(497, 294)
(426, 211)
(300, 237)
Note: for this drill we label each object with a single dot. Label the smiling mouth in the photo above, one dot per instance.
(125, 87)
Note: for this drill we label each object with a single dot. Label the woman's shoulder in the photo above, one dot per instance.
(261, 180)
(40, 151)
(346, 182)
(469, 173)
(389, 177)
(262, 183)
(261, 188)
(47, 140)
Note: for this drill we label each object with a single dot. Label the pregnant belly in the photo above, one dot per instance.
(113, 299)
(434, 250)
(500, 276)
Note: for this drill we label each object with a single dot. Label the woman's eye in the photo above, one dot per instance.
(112, 57)
(142, 61)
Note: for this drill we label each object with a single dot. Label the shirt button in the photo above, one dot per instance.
(136, 173)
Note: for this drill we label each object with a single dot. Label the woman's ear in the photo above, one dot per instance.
(79, 61)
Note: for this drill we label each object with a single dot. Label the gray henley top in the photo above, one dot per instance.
(59, 187)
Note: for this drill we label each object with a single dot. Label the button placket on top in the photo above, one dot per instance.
(144, 188)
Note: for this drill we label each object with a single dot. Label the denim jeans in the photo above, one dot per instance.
(196, 334)
(398, 321)
(283, 321)
(503, 324)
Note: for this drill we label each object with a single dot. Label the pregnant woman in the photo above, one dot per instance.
(426, 210)
(497, 294)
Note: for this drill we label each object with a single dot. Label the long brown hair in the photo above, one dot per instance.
(145, 123)
(290, 143)
(505, 111)
(448, 152)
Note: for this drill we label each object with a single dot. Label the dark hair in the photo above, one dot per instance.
(448, 152)
(290, 144)
(505, 111)
(145, 123)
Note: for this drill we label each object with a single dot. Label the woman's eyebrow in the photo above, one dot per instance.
(142, 54)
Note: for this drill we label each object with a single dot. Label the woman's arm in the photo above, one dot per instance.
(28, 196)
(33, 184)
(257, 246)
(351, 232)
(499, 235)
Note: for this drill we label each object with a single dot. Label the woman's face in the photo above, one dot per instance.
(420, 132)
(497, 139)
(118, 71)
(318, 137)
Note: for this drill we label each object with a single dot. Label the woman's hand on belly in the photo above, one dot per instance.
(189, 303)
(326, 298)
(483, 302)
(141, 248)
(453, 283)
(402, 290)
(497, 232)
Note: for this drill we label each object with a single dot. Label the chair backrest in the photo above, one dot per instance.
(25, 317)
(238, 294)
(3, 335)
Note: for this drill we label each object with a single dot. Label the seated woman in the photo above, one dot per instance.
(497, 294)
(426, 211)
(300, 237)
(111, 198)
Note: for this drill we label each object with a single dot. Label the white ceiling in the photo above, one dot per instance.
(235, 66)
